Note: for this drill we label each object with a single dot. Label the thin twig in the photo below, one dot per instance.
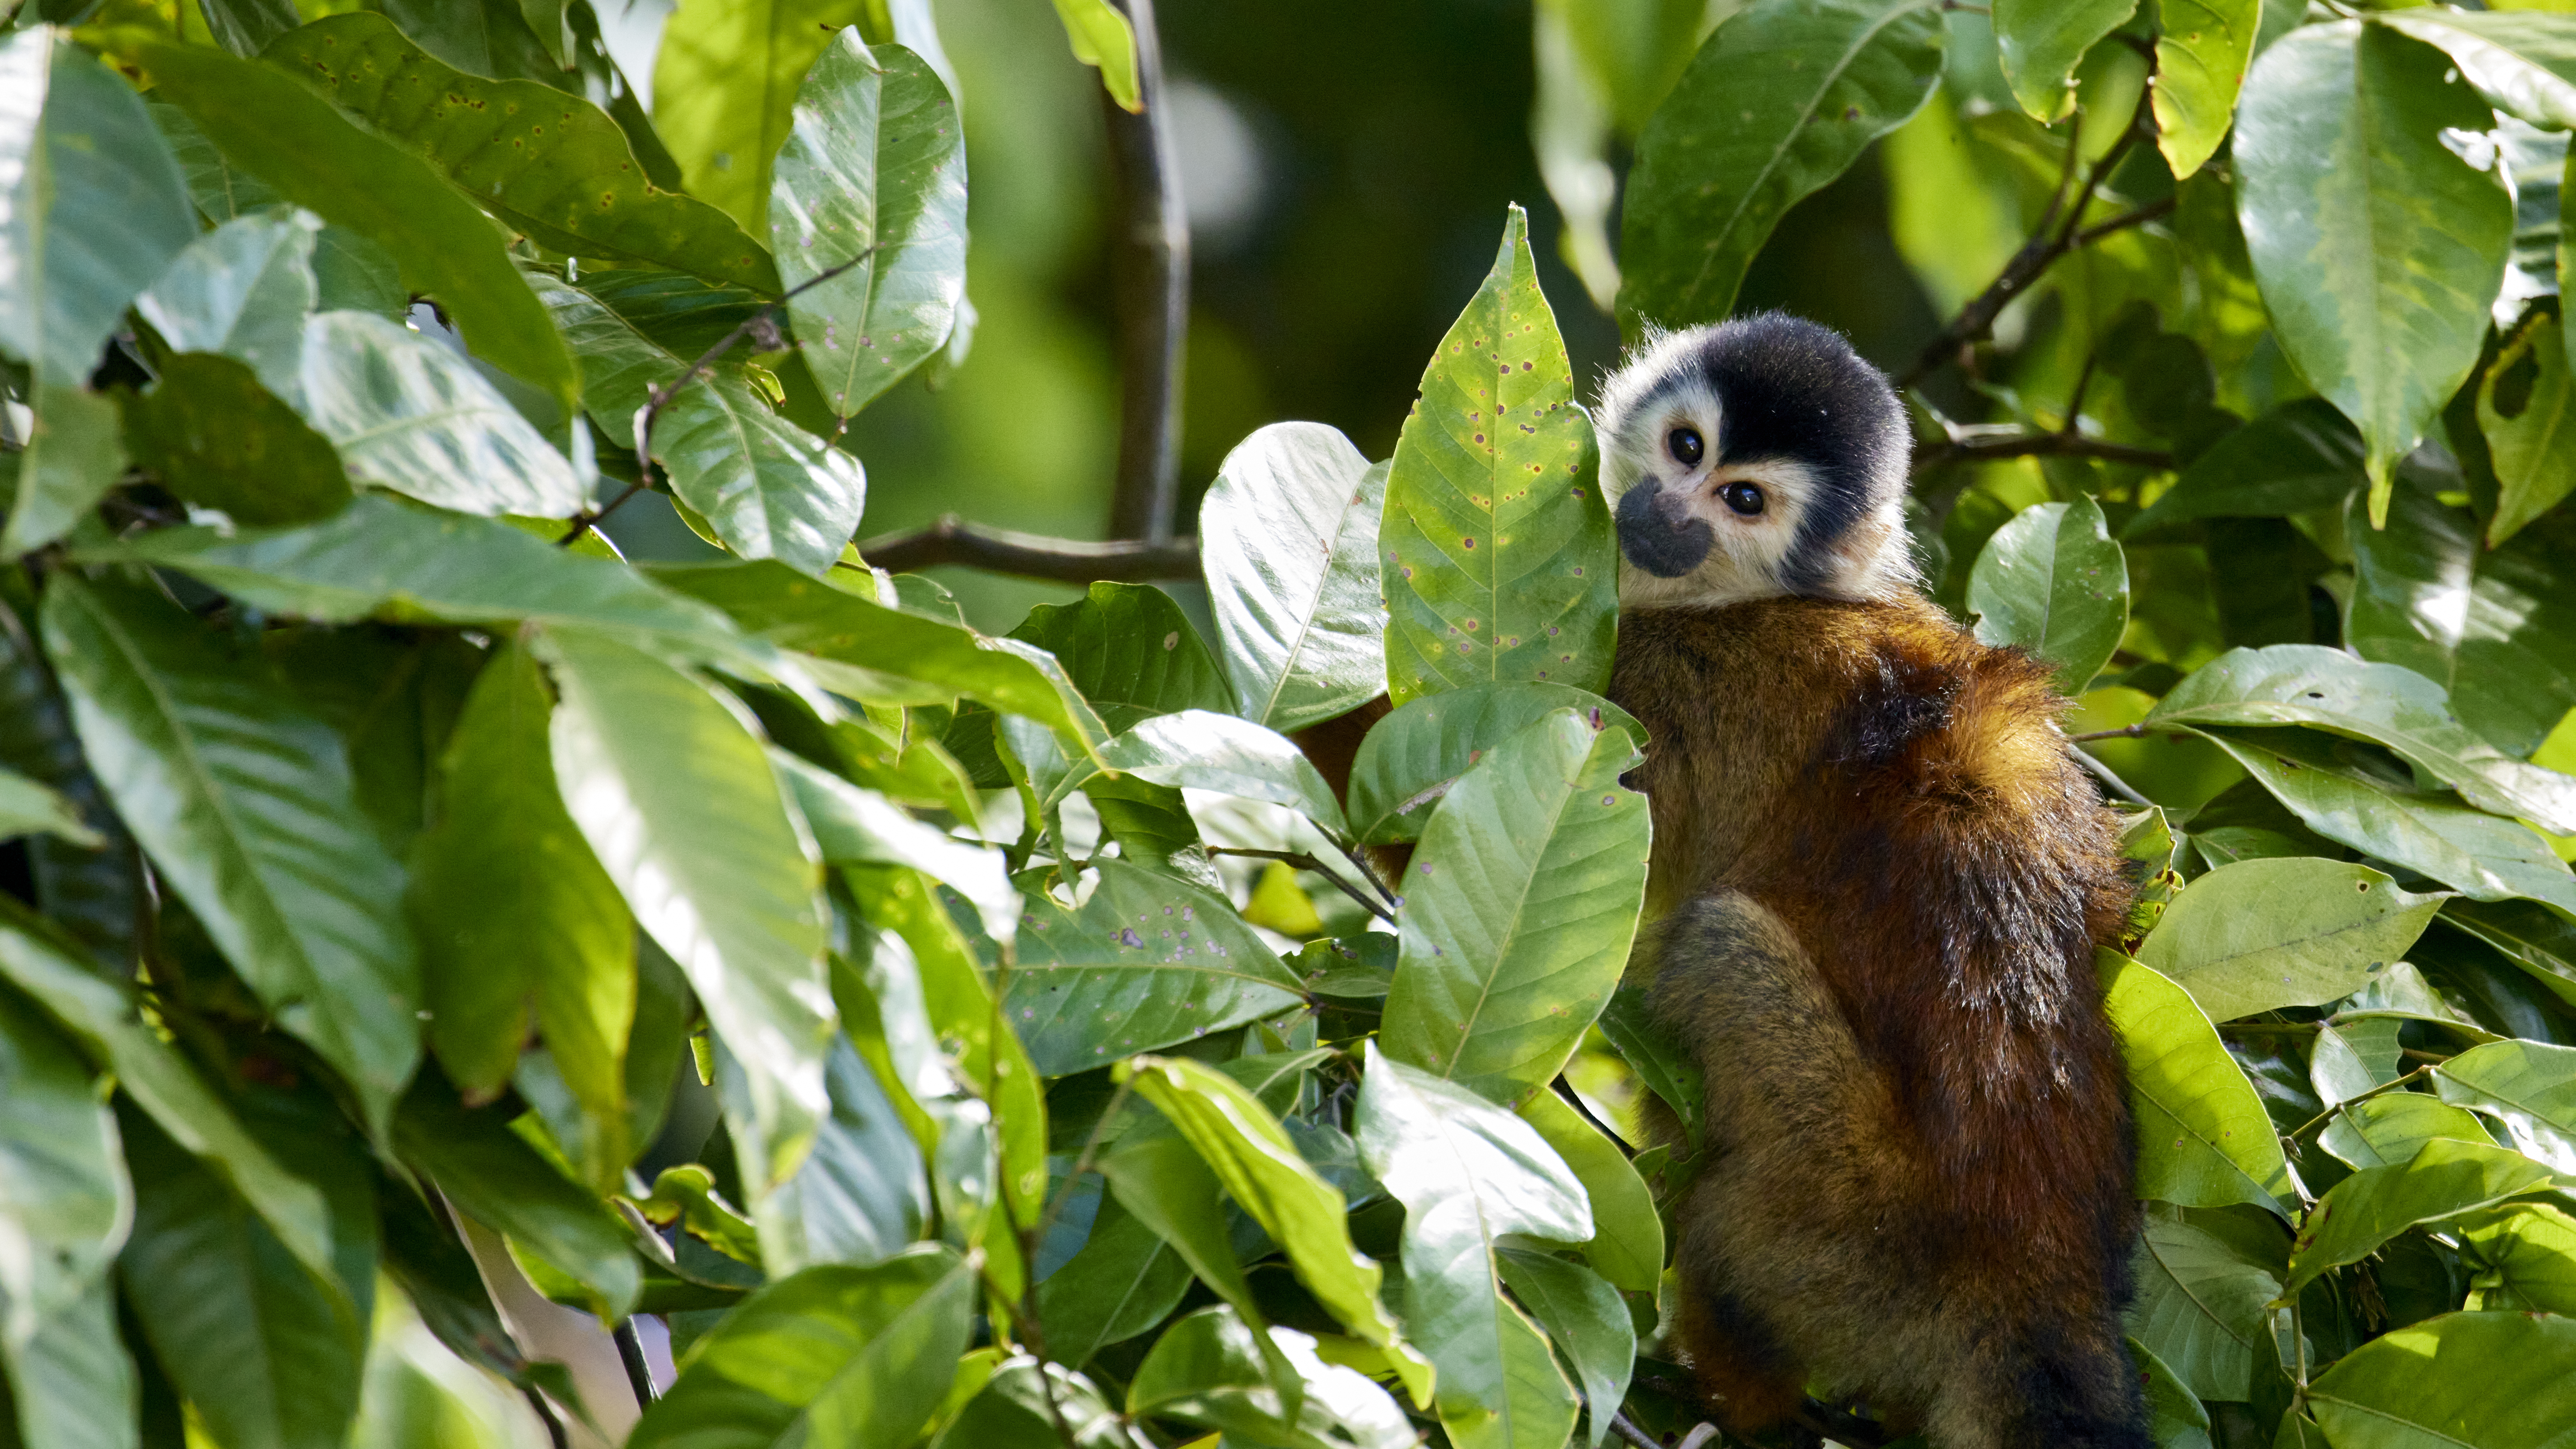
(2124, 732)
(2102, 772)
(639, 1372)
(2329, 1114)
(1986, 447)
(2152, 211)
(1626, 1428)
(1150, 265)
(1575, 1100)
(1302, 861)
(765, 316)
(952, 540)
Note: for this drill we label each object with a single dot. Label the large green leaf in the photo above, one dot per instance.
(516, 919)
(2497, 627)
(1518, 909)
(2203, 1307)
(2298, 931)
(2529, 1087)
(1778, 102)
(1261, 1169)
(2040, 41)
(2444, 1179)
(2203, 1137)
(269, 124)
(873, 163)
(1207, 1370)
(1412, 758)
(678, 800)
(1016, 1409)
(1629, 1248)
(2522, 1255)
(211, 434)
(245, 804)
(833, 1358)
(854, 826)
(2391, 1128)
(2304, 684)
(1201, 750)
(862, 1195)
(412, 415)
(1146, 961)
(1499, 564)
(91, 204)
(73, 1380)
(2460, 1381)
(244, 290)
(2527, 413)
(499, 1180)
(1288, 538)
(2054, 583)
(64, 1200)
(73, 457)
(1586, 1320)
(2376, 246)
(767, 487)
(2524, 65)
(2477, 854)
(2202, 50)
(550, 163)
(2298, 457)
(1469, 1172)
(268, 1351)
(725, 79)
(1131, 651)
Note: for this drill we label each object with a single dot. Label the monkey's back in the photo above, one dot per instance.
(1898, 796)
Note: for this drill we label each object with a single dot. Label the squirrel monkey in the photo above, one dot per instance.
(1880, 877)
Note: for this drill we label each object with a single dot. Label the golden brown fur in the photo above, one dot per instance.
(1881, 881)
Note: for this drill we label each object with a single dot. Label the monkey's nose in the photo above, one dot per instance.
(1658, 533)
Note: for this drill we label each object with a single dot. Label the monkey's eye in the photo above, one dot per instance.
(1686, 446)
(1744, 498)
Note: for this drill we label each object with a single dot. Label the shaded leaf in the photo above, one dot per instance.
(2524, 65)
(2203, 1137)
(1586, 1320)
(2390, 1129)
(2054, 583)
(1206, 1370)
(72, 1378)
(2532, 449)
(215, 436)
(862, 1195)
(2176, 1418)
(1201, 750)
(1629, 1248)
(1411, 758)
(2261, 934)
(410, 414)
(1015, 1409)
(1288, 539)
(1131, 651)
(2202, 1307)
(856, 826)
(1123, 1281)
(1168, 1186)
(67, 1204)
(2299, 457)
(2443, 1179)
(73, 456)
(27, 807)
(500, 1181)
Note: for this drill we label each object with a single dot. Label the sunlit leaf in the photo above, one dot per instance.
(68, 1202)
(2040, 42)
(2443, 1179)
(1288, 537)
(28, 806)
(1411, 758)
(1202, 750)
(2522, 1255)
(1206, 1370)
(2528, 1087)
(2053, 582)
(2527, 411)
(414, 416)
(2203, 1137)
(1629, 1248)
(2391, 1128)
(725, 78)
(2202, 50)
(2261, 934)
(73, 457)
(856, 826)
(1102, 39)
(1585, 1319)
(2480, 1380)
(243, 290)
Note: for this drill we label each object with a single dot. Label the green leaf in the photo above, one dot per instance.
(2521, 1256)
(725, 81)
(1666, 1067)
(2176, 1418)
(269, 124)
(92, 210)
(833, 1358)
(1201, 750)
(2262, 934)
(2299, 457)
(412, 415)
(2040, 42)
(1261, 1170)
(2304, 684)
(2202, 1307)
(2443, 1179)
(1169, 1187)
(2523, 65)
(68, 1201)
(2377, 247)
(2460, 1381)
(1778, 102)
(245, 804)
(1146, 961)
(856, 826)
(244, 26)
(152, 1073)
(2202, 50)
(72, 1378)
(1288, 538)
(73, 456)
(1411, 758)
(266, 1351)
(2203, 1137)
(1468, 1172)
(548, 162)
(27, 807)
(676, 795)
(2527, 1086)
(517, 919)
(2535, 938)
(1587, 1321)
(213, 435)
(1015, 1409)
(243, 290)
(1629, 1248)
(2351, 803)
(2533, 447)
(381, 558)
(862, 1195)
(2497, 627)
(1499, 563)
(1207, 1370)
(1124, 1280)
(2054, 583)
(1519, 908)
(2391, 1128)
(1101, 38)
(2353, 1056)
(767, 487)
(875, 164)
(1131, 652)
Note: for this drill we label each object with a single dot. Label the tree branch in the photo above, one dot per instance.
(1150, 265)
(1968, 446)
(952, 540)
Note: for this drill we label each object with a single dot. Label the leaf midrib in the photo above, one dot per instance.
(1511, 932)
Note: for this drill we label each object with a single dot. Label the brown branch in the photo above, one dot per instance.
(1150, 266)
(1627, 1430)
(2124, 732)
(952, 540)
(1970, 447)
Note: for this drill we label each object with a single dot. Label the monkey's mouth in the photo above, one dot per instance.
(1657, 532)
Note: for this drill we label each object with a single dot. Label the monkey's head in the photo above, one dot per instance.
(1755, 458)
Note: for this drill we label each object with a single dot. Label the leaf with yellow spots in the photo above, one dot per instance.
(1500, 564)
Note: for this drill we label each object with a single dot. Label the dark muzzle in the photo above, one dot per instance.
(1658, 534)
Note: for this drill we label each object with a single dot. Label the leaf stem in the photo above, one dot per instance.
(2110, 781)
(630, 1354)
(2330, 1113)
(2124, 732)
(952, 540)
(1626, 1428)
(1302, 861)
(1575, 1100)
